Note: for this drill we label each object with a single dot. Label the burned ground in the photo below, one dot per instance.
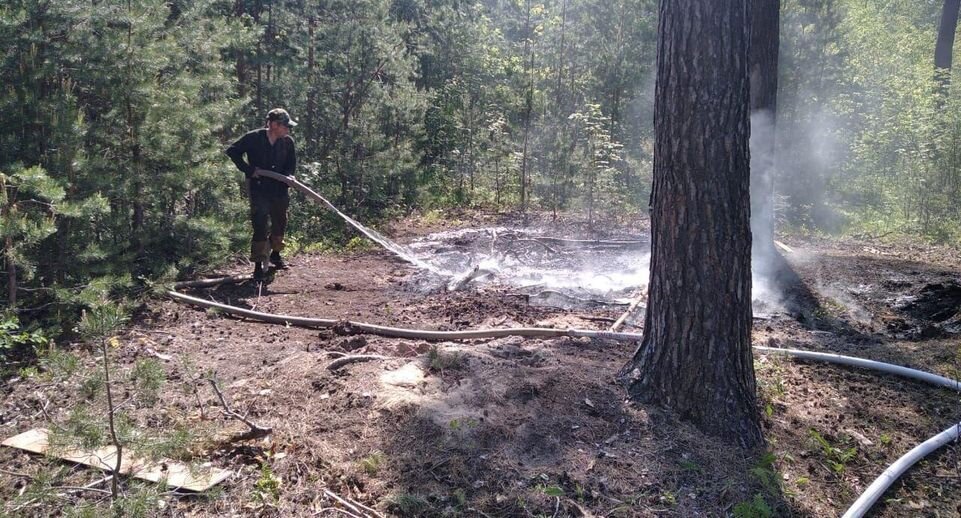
(531, 427)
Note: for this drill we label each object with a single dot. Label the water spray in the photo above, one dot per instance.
(391, 246)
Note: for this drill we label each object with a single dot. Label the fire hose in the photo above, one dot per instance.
(398, 332)
(877, 488)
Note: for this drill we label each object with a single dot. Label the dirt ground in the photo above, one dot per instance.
(533, 427)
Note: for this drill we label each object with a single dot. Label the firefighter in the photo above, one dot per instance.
(270, 148)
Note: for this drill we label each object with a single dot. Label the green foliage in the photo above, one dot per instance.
(440, 361)
(109, 161)
(868, 144)
(408, 504)
(148, 377)
(837, 458)
(81, 428)
(29, 201)
(13, 338)
(555, 491)
(58, 364)
(102, 319)
(372, 463)
(91, 386)
(267, 487)
(766, 475)
(689, 465)
(41, 488)
(459, 424)
(754, 508)
(602, 185)
(141, 501)
(176, 443)
(359, 244)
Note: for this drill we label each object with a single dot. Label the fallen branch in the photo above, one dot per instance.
(78, 489)
(24, 505)
(589, 318)
(576, 300)
(637, 301)
(323, 510)
(535, 241)
(784, 247)
(256, 431)
(464, 280)
(353, 505)
(17, 474)
(347, 360)
(593, 242)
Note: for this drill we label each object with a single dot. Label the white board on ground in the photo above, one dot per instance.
(174, 474)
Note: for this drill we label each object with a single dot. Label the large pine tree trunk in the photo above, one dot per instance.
(764, 54)
(695, 358)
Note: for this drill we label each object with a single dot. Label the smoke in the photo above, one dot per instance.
(762, 174)
(811, 149)
(796, 166)
(764, 258)
(515, 257)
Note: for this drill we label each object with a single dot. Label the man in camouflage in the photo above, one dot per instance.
(270, 148)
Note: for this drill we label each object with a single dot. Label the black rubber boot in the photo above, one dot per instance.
(277, 261)
(259, 274)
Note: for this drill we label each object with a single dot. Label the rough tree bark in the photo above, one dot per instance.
(695, 357)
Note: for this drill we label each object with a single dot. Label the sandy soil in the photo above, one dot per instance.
(530, 427)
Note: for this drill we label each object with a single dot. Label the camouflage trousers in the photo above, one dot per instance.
(270, 207)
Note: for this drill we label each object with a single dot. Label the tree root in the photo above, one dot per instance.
(347, 360)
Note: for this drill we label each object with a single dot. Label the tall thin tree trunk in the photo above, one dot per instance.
(111, 418)
(529, 48)
(310, 124)
(497, 182)
(269, 37)
(260, 59)
(558, 88)
(240, 67)
(137, 221)
(11, 274)
(944, 48)
(8, 251)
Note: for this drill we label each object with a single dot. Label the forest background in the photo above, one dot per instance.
(115, 115)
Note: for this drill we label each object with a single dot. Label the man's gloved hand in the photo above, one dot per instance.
(257, 172)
